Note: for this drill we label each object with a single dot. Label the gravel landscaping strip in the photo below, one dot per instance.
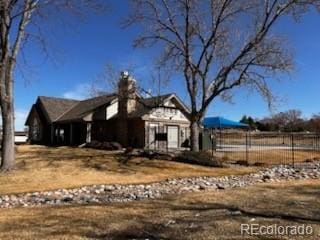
(123, 193)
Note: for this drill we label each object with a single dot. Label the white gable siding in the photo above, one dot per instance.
(167, 114)
(169, 103)
(88, 118)
(112, 110)
(103, 114)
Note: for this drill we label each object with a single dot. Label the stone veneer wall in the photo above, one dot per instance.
(127, 104)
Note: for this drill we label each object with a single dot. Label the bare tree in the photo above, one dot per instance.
(290, 120)
(107, 81)
(294, 120)
(314, 123)
(15, 17)
(217, 45)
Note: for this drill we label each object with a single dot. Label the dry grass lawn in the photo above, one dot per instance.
(43, 168)
(269, 157)
(205, 215)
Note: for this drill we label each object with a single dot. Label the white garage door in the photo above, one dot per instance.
(173, 137)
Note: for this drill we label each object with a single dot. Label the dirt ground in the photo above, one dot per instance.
(203, 215)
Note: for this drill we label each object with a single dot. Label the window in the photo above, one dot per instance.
(36, 129)
(61, 135)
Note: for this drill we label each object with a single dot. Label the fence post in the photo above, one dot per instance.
(211, 138)
(292, 148)
(247, 149)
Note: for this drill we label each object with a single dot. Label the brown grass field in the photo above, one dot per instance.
(267, 147)
(269, 157)
(203, 215)
(263, 138)
(41, 168)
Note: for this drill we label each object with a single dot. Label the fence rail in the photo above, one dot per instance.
(261, 147)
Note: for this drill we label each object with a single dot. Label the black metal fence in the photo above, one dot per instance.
(262, 147)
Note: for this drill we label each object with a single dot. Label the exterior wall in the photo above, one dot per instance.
(162, 117)
(127, 104)
(109, 131)
(42, 138)
(78, 133)
(103, 113)
(68, 133)
(104, 131)
(162, 127)
(170, 114)
(112, 110)
(100, 114)
(169, 103)
(35, 118)
(127, 95)
(136, 133)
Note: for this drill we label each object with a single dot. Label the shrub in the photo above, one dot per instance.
(116, 146)
(106, 146)
(93, 144)
(242, 162)
(199, 158)
(155, 155)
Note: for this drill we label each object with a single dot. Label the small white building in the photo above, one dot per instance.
(20, 137)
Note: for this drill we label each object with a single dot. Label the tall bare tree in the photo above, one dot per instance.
(15, 17)
(217, 45)
(314, 123)
(107, 81)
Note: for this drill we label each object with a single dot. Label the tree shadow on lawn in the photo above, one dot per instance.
(84, 158)
(178, 217)
(303, 189)
(196, 216)
(179, 224)
(233, 210)
(97, 226)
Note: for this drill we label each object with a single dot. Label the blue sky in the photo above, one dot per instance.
(79, 53)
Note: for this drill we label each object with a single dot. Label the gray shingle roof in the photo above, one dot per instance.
(145, 105)
(64, 110)
(82, 108)
(55, 107)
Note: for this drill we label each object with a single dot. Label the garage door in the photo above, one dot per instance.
(173, 137)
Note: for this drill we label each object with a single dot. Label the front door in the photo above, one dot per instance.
(173, 136)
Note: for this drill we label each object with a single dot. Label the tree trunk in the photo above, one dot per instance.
(7, 145)
(195, 130)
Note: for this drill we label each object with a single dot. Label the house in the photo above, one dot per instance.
(125, 117)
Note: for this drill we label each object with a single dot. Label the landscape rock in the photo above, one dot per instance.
(105, 193)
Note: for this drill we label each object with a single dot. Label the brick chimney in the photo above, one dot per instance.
(126, 105)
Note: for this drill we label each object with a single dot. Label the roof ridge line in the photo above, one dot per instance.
(111, 97)
(73, 106)
(104, 95)
(61, 98)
